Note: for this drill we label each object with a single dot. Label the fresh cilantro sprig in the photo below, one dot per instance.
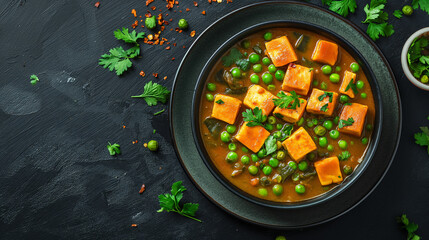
(418, 63)
(253, 118)
(113, 149)
(154, 93)
(344, 155)
(398, 14)
(409, 226)
(423, 4)
(34, 79)
(422, 138)
(342, 7)
(170, 202)
(287, 101)
(344, 123)
(127, 37)
(376, 18)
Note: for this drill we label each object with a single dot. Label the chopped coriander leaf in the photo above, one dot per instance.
(376, 18)
(422, 138)
(342, 7)
(243, 64)
(154, 92)
(34, 79)
(344, 123)
(423, 4)
(113, 149)
(419, 64)
(270, 145)
(118, 60)
(159, 112)
(352, 86)
(254, 118)
(233, 56)
(150, 22)
(409, 226)
(128, 37)
(170, 202)
(324, 108)
(325, 95)
(220, 101)
(397, 14)
(287, 101)
(154, 131)
(344, 156)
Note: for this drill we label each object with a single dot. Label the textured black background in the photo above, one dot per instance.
(57, 179)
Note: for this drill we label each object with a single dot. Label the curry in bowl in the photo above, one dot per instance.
(286, 115)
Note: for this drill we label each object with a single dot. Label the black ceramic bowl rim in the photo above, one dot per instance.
(324, 32)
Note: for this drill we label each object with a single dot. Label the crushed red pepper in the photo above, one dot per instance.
(170, 4)
(155, 74)
(195, 4)
(203, 12)
(142, 189)
(97, 4)
(135, 24)
(192, 33)
(149, 2)
(133, 12)
(133, 225)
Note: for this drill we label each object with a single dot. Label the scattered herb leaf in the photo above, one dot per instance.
(344, 156)
(233, 56)
(128, 37)
(423, 4)
(286, 132)
(397, 14)
(253, 118)
(154, 92)
(34, 79)
(409, 226)
(376, 18)
(325, 95)
(243, 64)
(220, 101)
(154, 131)
(118, 60)
(287, 101)
(270, 145)
(422, 138)
(344, 123)
(342, 7)
(352, 86)
(324, 108)
(159, 112)
(113, 149)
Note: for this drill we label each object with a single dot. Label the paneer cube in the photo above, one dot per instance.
(325, 52)
(348, 77)
(358, 113)
(226, 108)
(252, 137)
(299, 144)
(281, 51)
(257, 96)
(322, 102)
(328, 171)
(298, 78)
(292, 115)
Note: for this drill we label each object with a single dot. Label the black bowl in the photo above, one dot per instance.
(324, 32)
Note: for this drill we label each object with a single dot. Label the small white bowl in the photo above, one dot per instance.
(404, 60)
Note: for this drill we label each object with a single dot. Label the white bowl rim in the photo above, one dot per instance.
(404, 60)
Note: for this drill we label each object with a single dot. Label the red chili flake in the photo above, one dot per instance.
(165, 78)
(184, 46)
(180, 31)
(228, 1)
(188, 10)
(177, 3)
(167, 48)
(170, 4)
(180, 11)
(203, 12)
(166, 14)
(149, 2)
(192, 33)
(142, 189)
(155, 74)
(123, 126)
(172, 59)
(148, 15)
(162, 28)
(160, 19)
(171, 19)
(133, 12)
(174, 44)
(135, 24)
(195, 4)
(133, 225)
(177, 29)
(153, 8)
(97, 4)
(142, 73)
(210, 1)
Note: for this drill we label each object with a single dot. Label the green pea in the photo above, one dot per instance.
(262, 153)
(281, 155)
(211, 87)
(267, 170)
(319, 131)
(232, 146)
(245, 44)
(311, 156)
(363, 95)
(364, 140)
(254, 78)
(300, 189)
(152, 145)
(314, 121)
(280, 238)
(254, 58)
(279, 126)
(334, 77)
(310, 124)
(354, 67)
(245, 159)
(330, 147)
(360, 84)
(267, 78)
(323, 141)
(295, 177)
(292, 164)
(225, 136)
(280, 75)
(271, 87)
(268, 36)
(407, 10)
(337, 68)
(300, 121)
(328, 124)
(183, 24)
(303, 165)
(271, 120)
(272, 69)
(231, 128)
(269, 127)
(347, 169)
(231, 157)
(368, 127)
(277, 135)
(273, 162)
(263, 192)
(266, 61)
(278, 189)
(236, 72)
(254, 157)
(209, 97)
(342, 144)
(327, 69)
(244, 149)
(424, 79)
(344, 98)
(336, 119)
(323, 86)
(257, 68)
(334, 134)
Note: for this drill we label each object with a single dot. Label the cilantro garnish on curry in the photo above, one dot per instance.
(286, 114)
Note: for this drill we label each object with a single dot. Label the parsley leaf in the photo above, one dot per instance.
(376, 18)
(154, 92)
(128, 37)
(398, 14)
(325, 95)
(170, 202)
(424, 5)
(289, 101)
(352, 85)
(424, 59)
(220, 101)
(344, 156)
(409, 226)
(118, 60)
(422, 138)
(342, 7)
(159, 112)
(113, 149)
(34, 79)
(270, 145)
(324, 108)
(243, 64)
(286, 131)
(344, 123)
(254, 118)
(233, 56)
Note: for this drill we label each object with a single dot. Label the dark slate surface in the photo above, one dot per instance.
(57, 179)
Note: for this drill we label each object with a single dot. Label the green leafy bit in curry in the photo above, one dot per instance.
(324, 108)
(344, 123)
(352, 86)
(154, 93)
(290, 101)
(220, 101)
(418, 58)
(422, 138)
(233, 56)
(325, 95)
(113, 149)
(170, 202)
(344, 155)
(253, 118)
